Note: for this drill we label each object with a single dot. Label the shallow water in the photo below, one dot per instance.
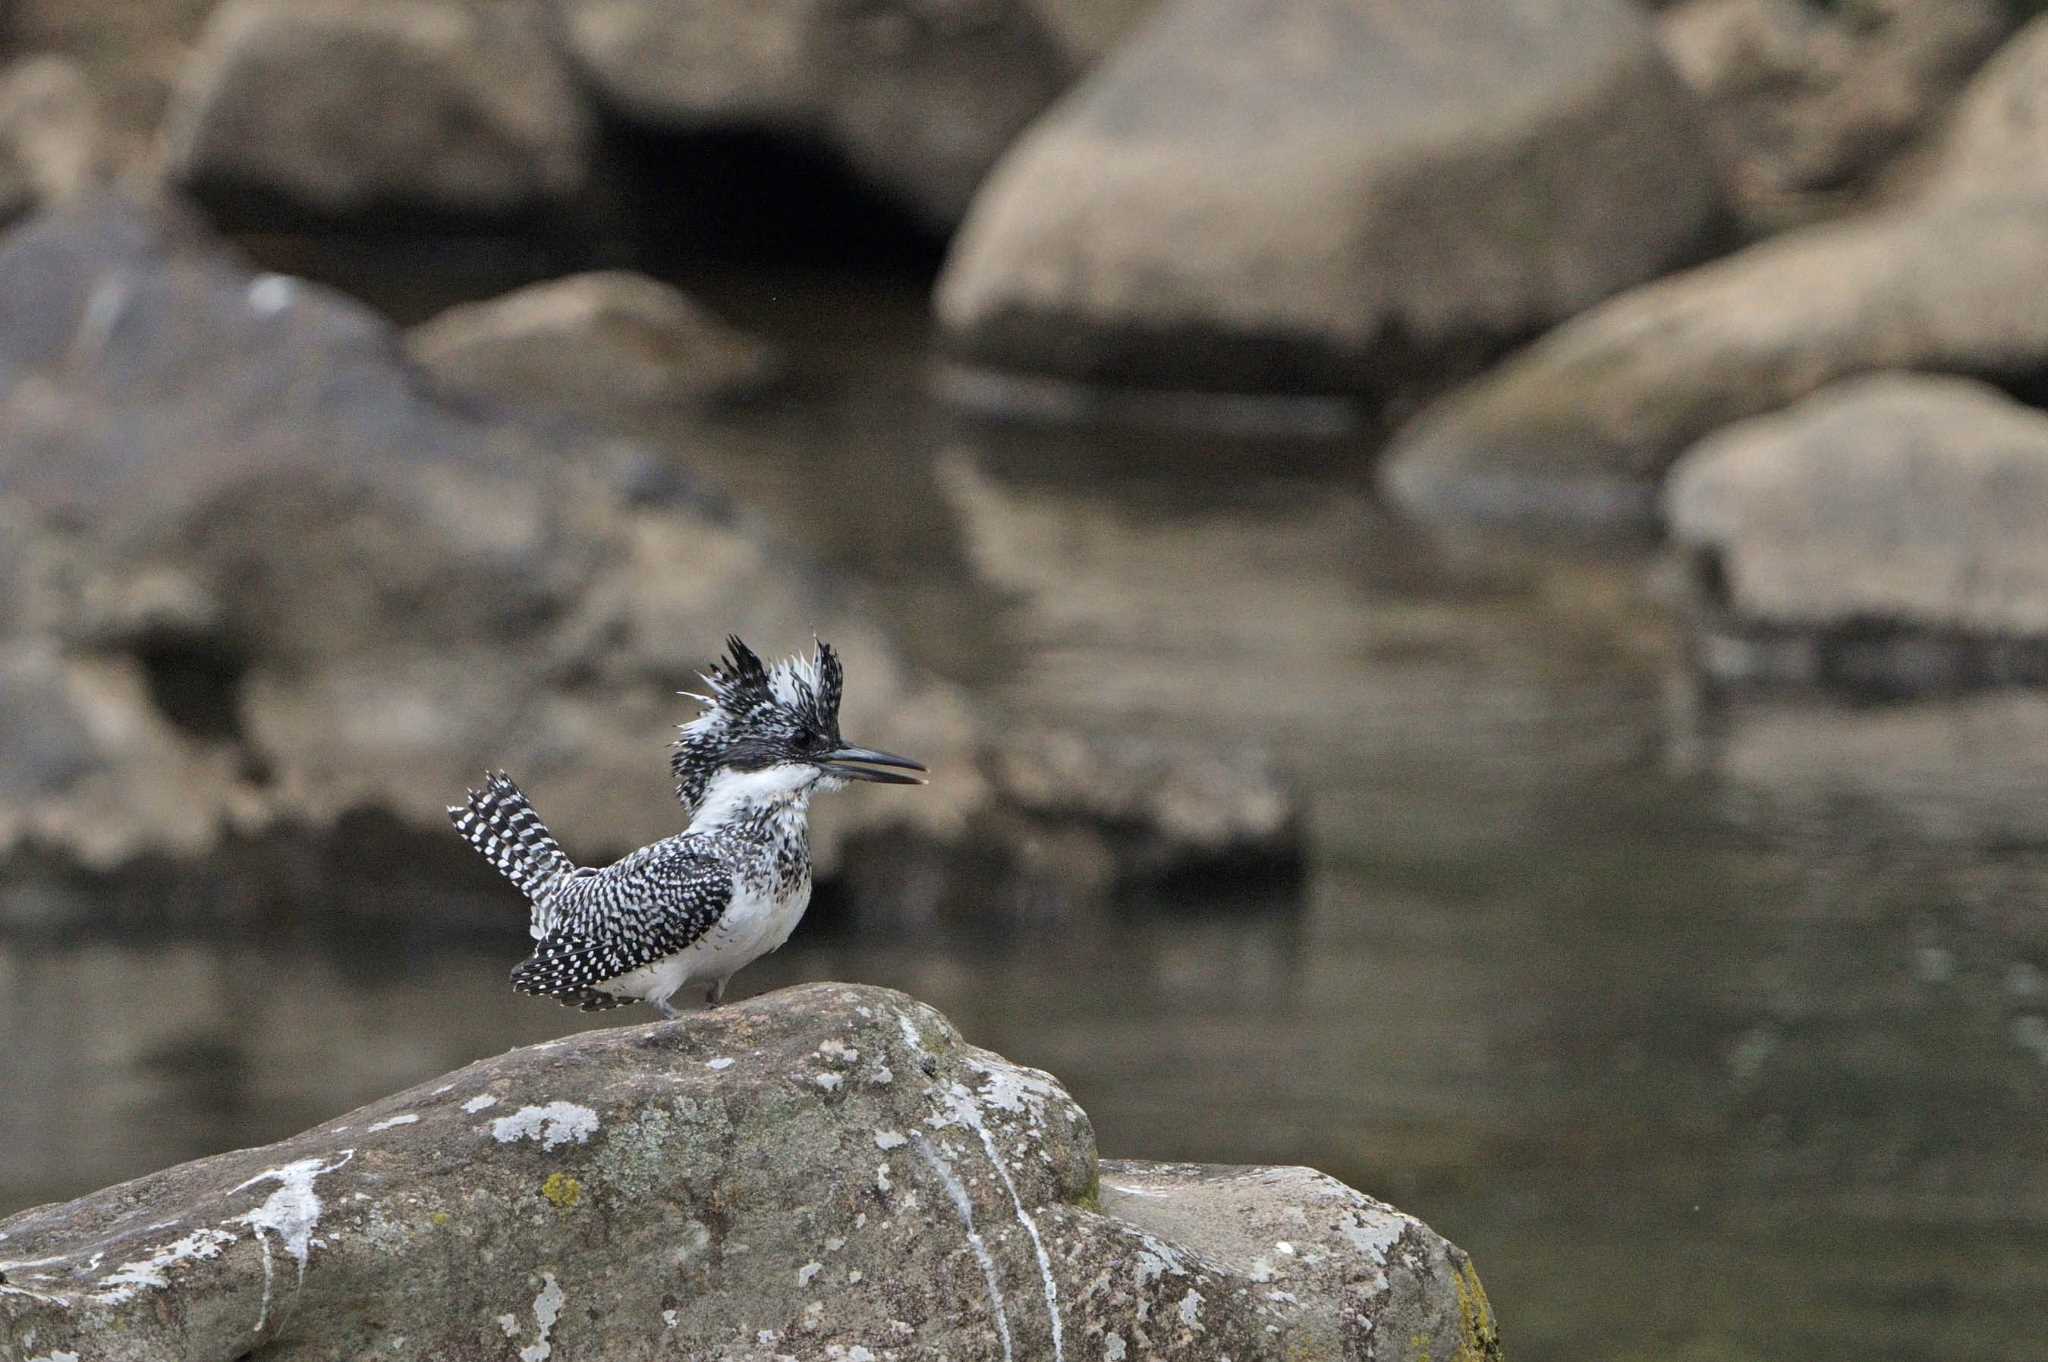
(1714, 1031)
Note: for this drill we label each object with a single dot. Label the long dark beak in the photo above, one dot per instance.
(834, 764)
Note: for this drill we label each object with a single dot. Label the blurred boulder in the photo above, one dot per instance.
(1997, 140)
(51, 142)
(337, 110)
(605, 342)
(1581, 426)
(292, 586)
(918, 98)
(1325, 197)
(1807, 103)
(827, 1172)
(1154, 809)
(1884, 533)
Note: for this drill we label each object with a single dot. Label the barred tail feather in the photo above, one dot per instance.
(501, 824)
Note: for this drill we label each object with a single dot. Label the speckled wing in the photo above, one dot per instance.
(652, 904)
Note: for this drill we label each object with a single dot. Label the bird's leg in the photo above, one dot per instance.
(715, 994)
(665, 1008)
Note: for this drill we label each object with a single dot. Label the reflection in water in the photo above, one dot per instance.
(1714, 1032)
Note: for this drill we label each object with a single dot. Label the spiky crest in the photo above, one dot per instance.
(795, 700)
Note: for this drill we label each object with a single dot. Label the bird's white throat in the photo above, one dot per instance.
(732, 795)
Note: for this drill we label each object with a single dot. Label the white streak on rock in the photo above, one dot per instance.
(125, 1282)
(718, 1065)
(547, 1308)
(557, 1123)
(404, 1119)
(805, 1273)
(1191, 1309)
(958, 1193)
(890, 1139)
(291, 1213)
(479, 1102)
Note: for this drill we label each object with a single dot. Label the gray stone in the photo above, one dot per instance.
(1810, 104)
(1884, 531)
(606, 344)
(1328, 197)
(1582, 425)
(342, 109)
(824, 1173)
(1997, 140)
(918, 96)
(51, 143)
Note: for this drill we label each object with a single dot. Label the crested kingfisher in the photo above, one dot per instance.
(690, 910)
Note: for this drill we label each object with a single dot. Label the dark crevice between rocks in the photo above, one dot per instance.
(1868, 661)
(195, 683)
(757, 198)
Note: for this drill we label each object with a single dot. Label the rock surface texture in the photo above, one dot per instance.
(349, 108)
(1582, 425)
(609, 341)
(260, 582)
(918, 97)
(1329, 197)
(823, 1173)
(1809, 104)
(1885, 531)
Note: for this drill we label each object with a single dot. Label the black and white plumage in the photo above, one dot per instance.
(695, 908)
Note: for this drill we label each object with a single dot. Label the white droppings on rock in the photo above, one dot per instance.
(128, 1280)
(835, 1243)
(719, 1065)
(890, 1139)
(839, 1052)
(510, 1324)
(1284, 1247)
(882, 1183)
(964, 1206)
(1156, 1258)
(291, 1213)
(809, 1270)
(1112, 1348)
(857, 1353)
(828, 1081)
(853, 1278)
(445, 1087)
(668, 1318)
(58, 1356)
(1373, 1230)
(547, 1308)
(557, 1123)
(403, 1119)
(479, 1102)
(881, 1076)
(1191, 1309)
(910, 1036)
(1014, 1088)
(1262, 1269)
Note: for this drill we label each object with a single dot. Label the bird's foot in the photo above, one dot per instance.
(715, 995)
(667, 1009)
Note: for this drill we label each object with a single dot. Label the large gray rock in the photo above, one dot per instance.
(824, 1173)
(1329, 197)
(1582, 425)
(285, 584)
(1887, 530)
(342, 109)
(1810, 103)
(918, 98)
(609, 343)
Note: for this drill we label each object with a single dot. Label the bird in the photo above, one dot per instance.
(691, 910)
